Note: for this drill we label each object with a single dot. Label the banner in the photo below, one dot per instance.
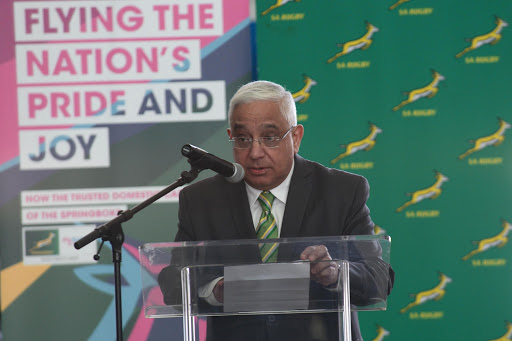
(98, 97)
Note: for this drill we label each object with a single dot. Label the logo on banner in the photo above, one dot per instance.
(432, 192)
(366, 144)
(303, 94)
(378, 230)
(398, 3)
(362, 43)
(498, 240)
(41, 242)
(436, 293)
(381, 333)
(429, 91)
(507, 335)
(55, 245)
(495, 139)
(278, 3)
(492, 38)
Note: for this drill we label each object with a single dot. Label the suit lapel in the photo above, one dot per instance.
(240, 211)
(296, 202)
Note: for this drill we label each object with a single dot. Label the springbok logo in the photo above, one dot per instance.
(427, 91)
(362, 43)
(396, 4)
(381, 333)
(508, 334)
(303, 94)
(498, 240)
(367, 143)
(492, 37)
(431, 192)
(378, 230)
(42, 243)
(435, 293)
(494, 139)
(278, 3)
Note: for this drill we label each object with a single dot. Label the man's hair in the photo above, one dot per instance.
(265, 91)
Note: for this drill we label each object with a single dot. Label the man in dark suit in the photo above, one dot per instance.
(308, 200)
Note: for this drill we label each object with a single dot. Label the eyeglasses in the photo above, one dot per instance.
(265, 142)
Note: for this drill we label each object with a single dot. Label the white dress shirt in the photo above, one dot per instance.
(280, 193)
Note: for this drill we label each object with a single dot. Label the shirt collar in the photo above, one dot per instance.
(280, 192)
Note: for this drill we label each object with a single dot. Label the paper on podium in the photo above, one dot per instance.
(266, 287)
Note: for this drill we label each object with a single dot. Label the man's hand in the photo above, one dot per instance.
(323, 272)
(218, 291)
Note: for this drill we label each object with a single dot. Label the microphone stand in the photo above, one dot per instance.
(113, 232)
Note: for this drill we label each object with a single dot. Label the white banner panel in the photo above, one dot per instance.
(95, 196)
(108, 62)
(64, 148)
(72, 20)
(54, 245)
(64, 215)
(122, 103)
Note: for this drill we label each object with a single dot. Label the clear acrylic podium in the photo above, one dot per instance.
(177, 277)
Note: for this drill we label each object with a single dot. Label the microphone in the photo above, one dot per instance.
(234, 172)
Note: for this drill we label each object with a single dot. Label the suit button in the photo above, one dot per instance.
(271, 318)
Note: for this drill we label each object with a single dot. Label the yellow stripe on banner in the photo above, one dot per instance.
(17, 278)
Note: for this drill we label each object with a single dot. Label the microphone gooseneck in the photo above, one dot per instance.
(201, 158)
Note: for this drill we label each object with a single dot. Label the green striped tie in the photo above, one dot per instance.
(267, 227)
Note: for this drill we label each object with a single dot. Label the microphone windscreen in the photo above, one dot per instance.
(238, 175)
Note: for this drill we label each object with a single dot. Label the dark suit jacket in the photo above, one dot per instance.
(321, 202)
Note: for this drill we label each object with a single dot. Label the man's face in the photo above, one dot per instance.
(265, 168)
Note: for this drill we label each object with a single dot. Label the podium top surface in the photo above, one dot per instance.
(297, 240)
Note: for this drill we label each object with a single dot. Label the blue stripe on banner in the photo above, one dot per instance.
(11, 163)
(205, 51)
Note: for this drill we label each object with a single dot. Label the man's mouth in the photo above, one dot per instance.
(257, 170)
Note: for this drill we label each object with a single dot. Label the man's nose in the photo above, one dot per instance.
(256, 150)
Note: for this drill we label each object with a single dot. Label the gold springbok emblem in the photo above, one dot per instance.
(498, 240)
(431, 192)
(278, 3)
(41, 244)
(495, 139)
(381, 333)
(429, 91)
(435, 293)
(362, 43)
(303, 94)
(366, 143)
(492, 37)
(508, 334)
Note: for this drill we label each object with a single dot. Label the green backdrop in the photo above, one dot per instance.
(468, 199)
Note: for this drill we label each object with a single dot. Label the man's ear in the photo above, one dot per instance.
(297, 134)
(229, 132)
